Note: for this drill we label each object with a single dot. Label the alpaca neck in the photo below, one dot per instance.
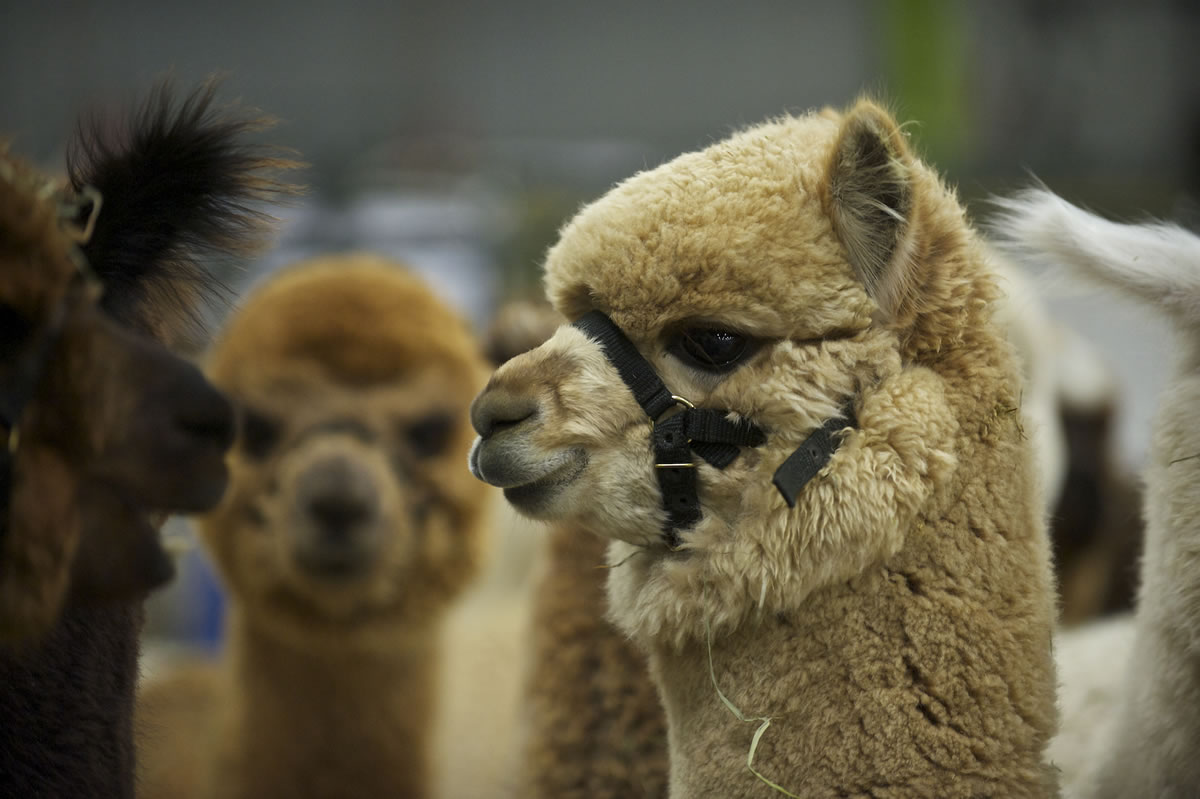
(66, 705)
(871, 686)
(329, 722)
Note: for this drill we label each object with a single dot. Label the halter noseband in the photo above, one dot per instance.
(706, 432)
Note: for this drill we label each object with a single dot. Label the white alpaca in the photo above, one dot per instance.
(1130, 724)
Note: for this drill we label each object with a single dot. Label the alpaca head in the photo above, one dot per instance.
(781, 277)
(108, 431)
(350, 516)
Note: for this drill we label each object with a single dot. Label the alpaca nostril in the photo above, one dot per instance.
(497, 409)
(337, 514)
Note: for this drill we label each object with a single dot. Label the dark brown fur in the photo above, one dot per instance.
(116, 431)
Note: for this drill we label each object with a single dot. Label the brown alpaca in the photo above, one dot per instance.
(595, 727)
(349, 527)
(886, 602)
(108, 432)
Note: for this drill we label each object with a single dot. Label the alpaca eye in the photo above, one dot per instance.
(711, 349)
(260, 433)
(431, 435)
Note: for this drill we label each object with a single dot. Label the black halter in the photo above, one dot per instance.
(706, 432)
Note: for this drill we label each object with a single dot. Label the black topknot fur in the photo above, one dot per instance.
(181, 187)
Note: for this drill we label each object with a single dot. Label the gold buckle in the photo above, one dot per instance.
(682, 403)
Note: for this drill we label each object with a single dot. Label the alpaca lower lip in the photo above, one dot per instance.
(533, 496)
(507, 462)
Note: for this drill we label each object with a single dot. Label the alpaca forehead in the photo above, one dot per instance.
(363, 318)
(738, 231)
(305, 395)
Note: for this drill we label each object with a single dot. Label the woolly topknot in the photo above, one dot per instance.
(349, 319)
(180, 186)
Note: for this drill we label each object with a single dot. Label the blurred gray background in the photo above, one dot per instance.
(459, 135)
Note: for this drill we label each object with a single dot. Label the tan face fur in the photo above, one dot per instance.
(804, 236)
(350, 516)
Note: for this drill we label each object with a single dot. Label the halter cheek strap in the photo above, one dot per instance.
(706, 432)
(811, 456)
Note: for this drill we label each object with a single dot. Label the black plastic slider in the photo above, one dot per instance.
(810, 457)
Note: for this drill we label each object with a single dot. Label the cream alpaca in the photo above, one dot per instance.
(349, 528)
(895, 624)
(1147, 740)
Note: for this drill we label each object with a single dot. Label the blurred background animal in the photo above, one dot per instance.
(107, 430)
(1070, 404)
(1129, 725)
(350, 527)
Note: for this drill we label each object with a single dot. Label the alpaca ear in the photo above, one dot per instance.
(870, 193)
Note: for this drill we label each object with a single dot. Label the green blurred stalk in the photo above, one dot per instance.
(925, 67)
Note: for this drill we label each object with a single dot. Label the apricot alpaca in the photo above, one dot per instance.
(595, 727)
(1129, 723)
(107, 431)
(349, 528)
(892, 615)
